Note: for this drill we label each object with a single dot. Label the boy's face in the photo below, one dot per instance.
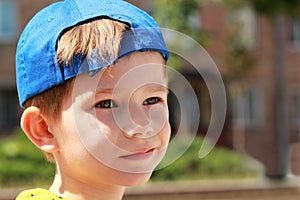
(114, 127)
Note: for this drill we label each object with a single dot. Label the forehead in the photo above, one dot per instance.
(128, 74)
(138, 68)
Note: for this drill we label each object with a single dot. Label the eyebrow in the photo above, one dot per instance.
(156, 88)
(105, 90)
(148, 88)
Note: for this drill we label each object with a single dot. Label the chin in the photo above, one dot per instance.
(135, 179)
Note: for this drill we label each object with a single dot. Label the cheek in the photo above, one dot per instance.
(72, 152)
(165, 134)
(65, 132)
(108, 124)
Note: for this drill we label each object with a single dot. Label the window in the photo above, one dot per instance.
(294, 116)
(295, 111)
(244, 21)
(248, 108)
(8, 109)
(194, 20)
(295, 33)
(8, 20)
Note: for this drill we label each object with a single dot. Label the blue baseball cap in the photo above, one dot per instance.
(36, 66)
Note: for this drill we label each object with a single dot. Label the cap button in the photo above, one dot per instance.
(108, 2)
(50, 19)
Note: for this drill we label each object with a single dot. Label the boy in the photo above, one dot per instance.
(91, 76)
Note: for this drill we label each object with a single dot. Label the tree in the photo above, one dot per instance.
(275, 9)
(182, 16)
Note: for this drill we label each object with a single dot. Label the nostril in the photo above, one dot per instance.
(129, 133)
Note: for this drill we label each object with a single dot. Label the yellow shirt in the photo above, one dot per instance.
(38, 194)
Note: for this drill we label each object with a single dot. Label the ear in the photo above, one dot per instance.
(36, 128)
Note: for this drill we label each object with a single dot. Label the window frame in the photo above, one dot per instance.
(249, 108)
(10, 12)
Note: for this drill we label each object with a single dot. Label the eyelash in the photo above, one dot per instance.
(157, 100)
(108, 103)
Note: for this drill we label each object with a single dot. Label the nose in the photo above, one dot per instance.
(134, 121)
(139, 115)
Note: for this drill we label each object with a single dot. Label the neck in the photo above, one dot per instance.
(68, 187)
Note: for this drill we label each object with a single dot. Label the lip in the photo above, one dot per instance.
(139, 155)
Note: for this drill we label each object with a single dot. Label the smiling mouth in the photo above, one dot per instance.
(139, 156)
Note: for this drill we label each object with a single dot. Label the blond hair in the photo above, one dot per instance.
(101, 38)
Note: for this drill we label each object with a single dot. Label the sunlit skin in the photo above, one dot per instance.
(113, 129)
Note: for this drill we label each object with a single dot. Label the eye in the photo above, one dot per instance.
(151, 100)
(106, 104)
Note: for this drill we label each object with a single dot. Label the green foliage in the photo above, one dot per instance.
(21, 163)
(268, 7)
(238, 58)
(172, 14)
(272, 7)
(219, 163)
(179, 15)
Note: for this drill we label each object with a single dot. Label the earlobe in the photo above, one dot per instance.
(36, 128)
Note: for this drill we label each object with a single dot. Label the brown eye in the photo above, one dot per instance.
(105, 104)
(152, 100)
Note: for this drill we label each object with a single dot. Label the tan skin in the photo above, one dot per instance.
(133, 152)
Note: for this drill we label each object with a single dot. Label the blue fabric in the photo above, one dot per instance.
(36, 66)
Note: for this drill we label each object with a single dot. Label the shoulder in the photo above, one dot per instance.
(38, 194)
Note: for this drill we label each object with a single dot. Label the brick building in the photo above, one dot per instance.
(264, 101)
(253, 124)
(263, 109)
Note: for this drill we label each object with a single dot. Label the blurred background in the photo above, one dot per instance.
(256, 47)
